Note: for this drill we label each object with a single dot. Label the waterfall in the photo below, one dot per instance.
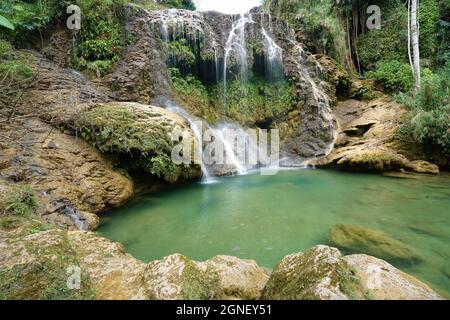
(236, 43)
(198, 133)
(273, 53)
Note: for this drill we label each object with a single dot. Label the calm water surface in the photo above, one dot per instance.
(267, 217)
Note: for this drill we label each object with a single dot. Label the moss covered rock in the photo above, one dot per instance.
(318, 274)
(373, 242)
(385, 282)
(36, 266)
(238, 278)
(178, 278)
(138, 136)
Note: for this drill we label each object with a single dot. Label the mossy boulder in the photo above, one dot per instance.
(238, 278)
(318, 274)
(373, 160)
(178, 278)
(385, 282)
(138, 136)
(36, 266)
(373, 242)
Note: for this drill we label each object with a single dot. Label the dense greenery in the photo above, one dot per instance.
(393, 75)
(101, 37)
(428, 122)
(253, 102)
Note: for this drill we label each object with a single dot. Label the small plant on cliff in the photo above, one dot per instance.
(22, 203)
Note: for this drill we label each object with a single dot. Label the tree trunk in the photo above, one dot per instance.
(415, 44)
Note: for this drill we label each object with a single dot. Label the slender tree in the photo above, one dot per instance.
(413, 31)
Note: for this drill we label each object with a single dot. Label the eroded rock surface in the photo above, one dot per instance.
(72, 179)
(367, 140)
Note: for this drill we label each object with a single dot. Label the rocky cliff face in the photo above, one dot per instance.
(227, 44)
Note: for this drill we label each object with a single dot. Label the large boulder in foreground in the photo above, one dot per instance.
(385, 282)
(318, 274)
(373, 242)
(223, 277)
(178, 278)
(238, 278)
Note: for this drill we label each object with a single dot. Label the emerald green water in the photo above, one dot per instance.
(267, 217)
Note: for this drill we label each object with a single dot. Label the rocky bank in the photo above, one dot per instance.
(36, 265)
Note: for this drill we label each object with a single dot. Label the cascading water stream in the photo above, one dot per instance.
(198, 133)
(236, 43)
(273, 53)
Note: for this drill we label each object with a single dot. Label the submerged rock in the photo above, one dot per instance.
(385, 282)
(373, 242)
(318, 274)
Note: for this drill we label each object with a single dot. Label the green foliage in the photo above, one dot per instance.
(192, 94)
(316, 19)
(180, 4)
(14, 66)
(428, 122)
(257, 100)
(5, 23)
(385, 44)
(181, 52)
(22, 203)
(101, 38)
(428, 20)
(394, 76)
(31, 15)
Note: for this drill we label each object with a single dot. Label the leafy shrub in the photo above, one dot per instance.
(393, 75)
(191, 93)
(22, 203)
(101, 37)
(428, 122)
(5, 23)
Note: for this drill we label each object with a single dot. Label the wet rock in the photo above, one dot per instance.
(371, 143)
(373, 242)
(385, 282)
(318, 274)
(238, 279)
